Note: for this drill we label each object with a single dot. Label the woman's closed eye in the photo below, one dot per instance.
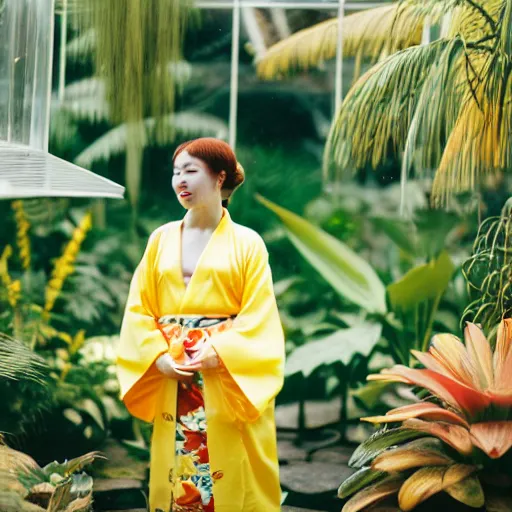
(186, 171)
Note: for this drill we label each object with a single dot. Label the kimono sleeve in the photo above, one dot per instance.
(141, 342)
(252, 351)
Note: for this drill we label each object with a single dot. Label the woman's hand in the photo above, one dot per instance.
(166, 365)
(206, 359)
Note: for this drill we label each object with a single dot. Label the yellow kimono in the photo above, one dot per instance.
(232, 279)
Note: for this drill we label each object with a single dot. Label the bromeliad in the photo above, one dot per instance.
(456, 440)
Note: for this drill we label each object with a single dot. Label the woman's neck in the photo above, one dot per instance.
(204, 217)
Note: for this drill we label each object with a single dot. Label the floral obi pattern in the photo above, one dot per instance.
(192, 479)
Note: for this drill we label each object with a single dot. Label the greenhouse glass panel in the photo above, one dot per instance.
(26, 38)
(26, 167)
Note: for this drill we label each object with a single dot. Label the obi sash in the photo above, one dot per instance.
(185, 335)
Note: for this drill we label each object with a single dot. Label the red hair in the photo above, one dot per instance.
(218, 156)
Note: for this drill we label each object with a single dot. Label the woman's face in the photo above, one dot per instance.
(193, 182)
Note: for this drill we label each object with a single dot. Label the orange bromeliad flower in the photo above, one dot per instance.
(456, 440)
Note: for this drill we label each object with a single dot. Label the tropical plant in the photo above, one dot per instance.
(488, 272)
(385, 319)
(416, 292)
(26, 487)
(445, 105)
(27, 316)
(45, 306)
(366, 34)
(135, 50)
(464, 424)
(24, 378)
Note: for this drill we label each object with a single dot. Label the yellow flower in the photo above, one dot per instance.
(86, 223)
(14, 292)
(22, 227)
(77, 342)
(13, 287)
(7, 253)
(62, 354)
(64, 265)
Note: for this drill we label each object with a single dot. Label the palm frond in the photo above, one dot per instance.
(447, 105)
(17, 361)
(379, 108)
(479, 144)
(437, 111)
(114, 142)
(82, 46)
(462, 124)
(474, 21)
(86, 99)
(85, 88)
(371, 33)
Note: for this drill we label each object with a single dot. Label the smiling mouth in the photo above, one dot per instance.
(185, 194)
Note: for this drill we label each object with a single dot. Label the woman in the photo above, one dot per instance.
(202, 350)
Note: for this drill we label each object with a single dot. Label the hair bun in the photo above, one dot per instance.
(239, 174)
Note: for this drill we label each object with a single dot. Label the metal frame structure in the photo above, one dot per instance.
(341, 6)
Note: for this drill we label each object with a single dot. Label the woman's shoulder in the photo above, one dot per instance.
(250, 239)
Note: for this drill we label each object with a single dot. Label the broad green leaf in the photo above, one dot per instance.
(380, 441)
(361, 478)
(349, 274)
(312, 329)
(433, 227)
(400, 231)
(469, 492)
(91, 408)
(340, 346)
(370, 393)
(283, 285)
(422, 283)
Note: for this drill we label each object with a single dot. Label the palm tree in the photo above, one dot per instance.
(136, 40)
(92, 99)
(445, 106)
